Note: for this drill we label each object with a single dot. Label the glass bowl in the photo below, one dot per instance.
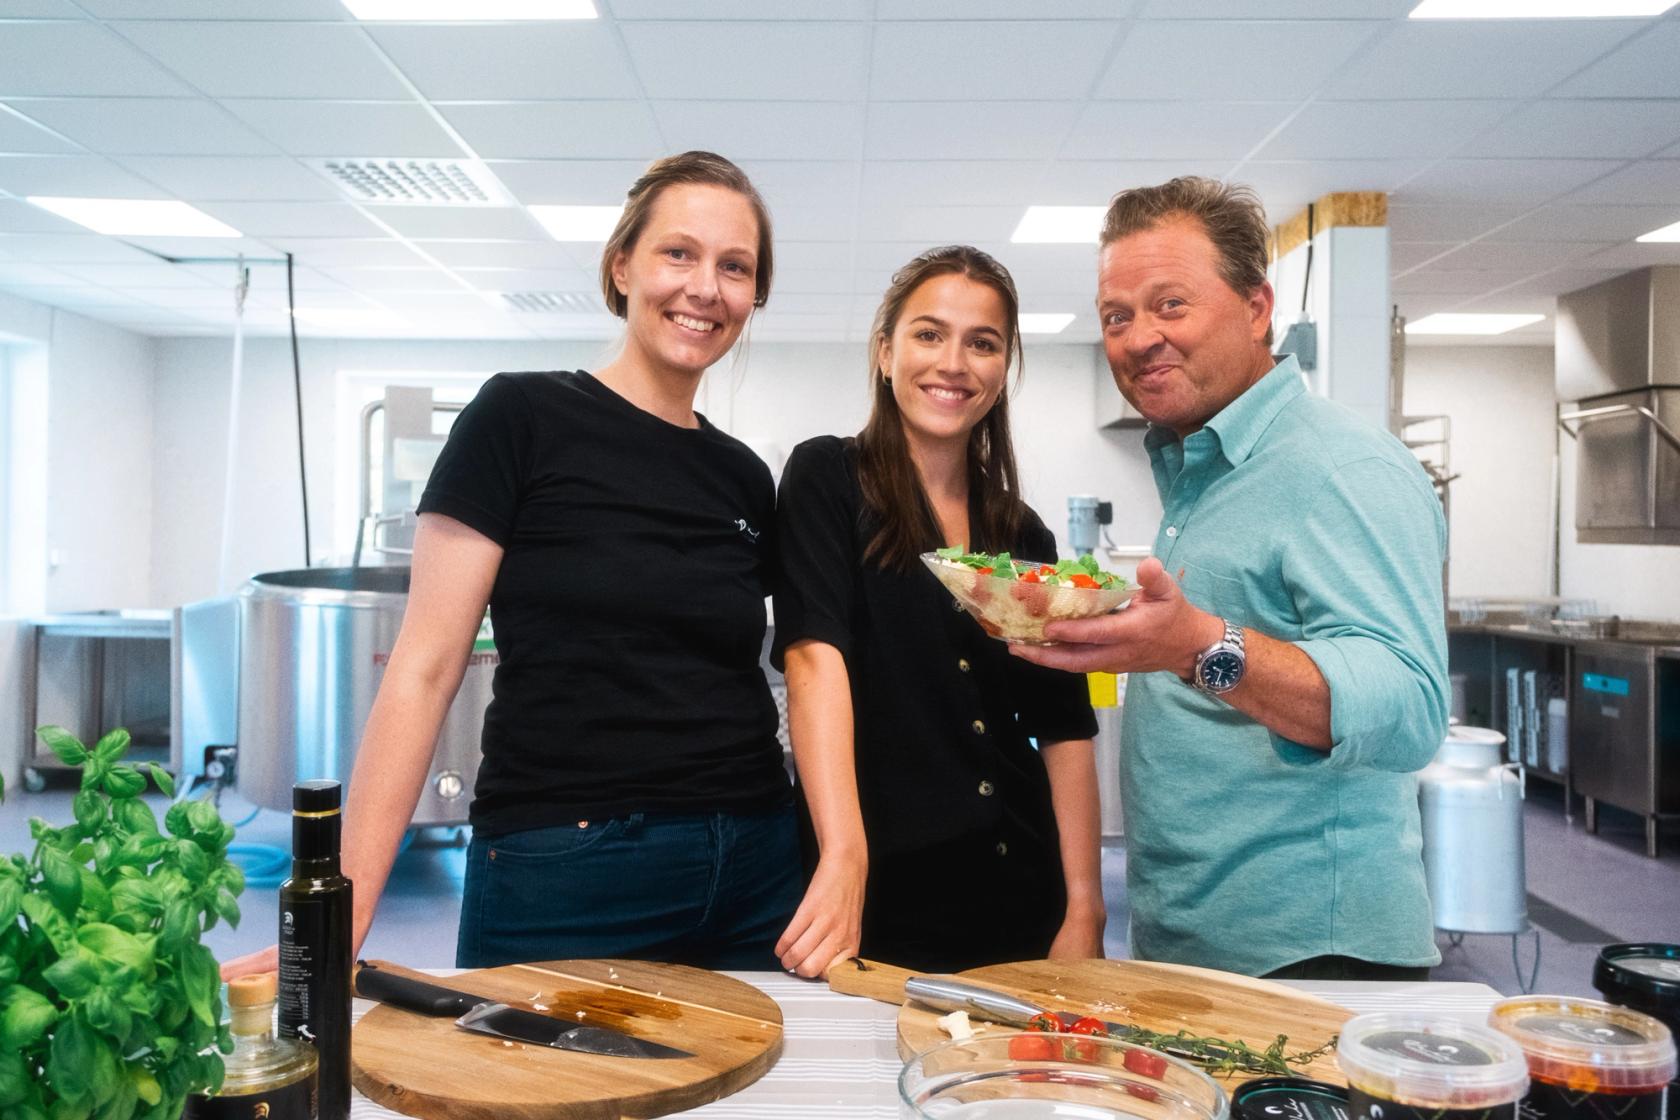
(1084, 1078)
(1018, 612)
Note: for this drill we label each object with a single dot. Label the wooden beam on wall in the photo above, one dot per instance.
(1347, 208)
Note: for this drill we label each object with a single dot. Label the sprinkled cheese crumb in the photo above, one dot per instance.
(956, 1025)
(580, 1014)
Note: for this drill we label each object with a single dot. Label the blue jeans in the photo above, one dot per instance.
(713, 890)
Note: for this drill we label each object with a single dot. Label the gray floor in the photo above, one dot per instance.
(1584, 890)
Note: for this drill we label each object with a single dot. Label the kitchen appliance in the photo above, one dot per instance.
(313, 646)
(1471, 805)
(1087, 515)
(426, 1066)
(1621, 749)
(1158, 997)
(1618, 360)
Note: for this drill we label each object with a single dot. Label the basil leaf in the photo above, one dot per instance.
(63, 880)
(124, 781)
(73, 976)
(112, 745)
(202, 980)
(162, 778)
(66, 746)
(24, 1017)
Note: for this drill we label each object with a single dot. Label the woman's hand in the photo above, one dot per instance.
(1081, 935)
(829, 922)
(263, 960)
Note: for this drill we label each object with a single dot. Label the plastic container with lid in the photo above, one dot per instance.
(1289, 1098)
(1644, 976)
(1424, 1067)
(1588, 1059)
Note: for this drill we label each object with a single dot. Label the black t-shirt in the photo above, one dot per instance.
(628, 609)
(941, 712)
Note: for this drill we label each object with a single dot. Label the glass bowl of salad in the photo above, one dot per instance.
(1015, 599)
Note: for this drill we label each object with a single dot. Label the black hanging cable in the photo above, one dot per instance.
(297, 391)
(1306, 281)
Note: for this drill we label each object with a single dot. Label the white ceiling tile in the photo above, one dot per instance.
(541, 181)
(1171, 130)
(1651, 181)
(999, 61)
(559, 130)
(1633, 254)
(18, 135)
(814, 223)
(205, 299)
(294, 219)
(326, 128)
(499, 254)
(39, 9)
(423, 279)
(533, 279)
(1094, 182)
(1495, 256)
(252, 59)
(1642, 67)
(233, 178)
(154, 126)
(1382, 129)
(965, 10)
(22, 217)
(510, 61)
(830, 185)
(1272, 9)
(22, 274)
(202, 247)
(729, 10)
(1447, 223)
(802, 61)
(345, 252)
(71, 177)
(1287, 186)
(157, 275)
(509, 223)
(1475, 58)
(1559, 281)
(830, 281)
(923, 130)
(800, 255)
(1500, 181)
(1406, 255)
(934, 225)
(1459, 282)
(80, 248)
(1625, 129)
(744, 130)
(953, 182)
(427, 302)
(1588, 223)
(1233, 60)
(77, 59)
(219, 9)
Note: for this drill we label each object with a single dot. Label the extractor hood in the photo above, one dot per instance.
(1618, 370)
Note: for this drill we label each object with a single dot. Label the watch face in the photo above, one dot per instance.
(1221, 670)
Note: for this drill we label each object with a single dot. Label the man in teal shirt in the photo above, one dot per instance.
(1290, 673)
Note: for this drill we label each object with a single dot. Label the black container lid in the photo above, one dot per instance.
(319, 796)
(1645, 973)
(1289, 1098)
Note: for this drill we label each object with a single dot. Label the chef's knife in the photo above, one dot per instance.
(485, 1016)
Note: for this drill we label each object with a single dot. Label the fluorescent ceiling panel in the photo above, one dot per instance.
(133, 217)
(577, 223)
(349, 317)
(1666, 233)
(1052, 322)
(1060, 225)
(417, 11)
(1538, 9)
(1448, 323)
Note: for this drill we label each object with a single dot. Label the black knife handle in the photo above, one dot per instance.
(414, 995)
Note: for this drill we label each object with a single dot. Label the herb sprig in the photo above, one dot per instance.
(1225, 1056)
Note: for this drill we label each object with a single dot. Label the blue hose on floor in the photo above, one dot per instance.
(264, 865)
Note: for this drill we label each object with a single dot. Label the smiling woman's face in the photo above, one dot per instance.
(948, 357)
(689, 279)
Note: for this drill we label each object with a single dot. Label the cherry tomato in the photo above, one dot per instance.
(1089, 1025)
(989, 571)
(1145, 1064)
(1030, 577)
(1045, 1022)
(1143, 1092)
(1031, 1048)
(1080, 579)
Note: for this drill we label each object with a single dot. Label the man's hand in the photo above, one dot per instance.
(1158, 630)
(263, 960)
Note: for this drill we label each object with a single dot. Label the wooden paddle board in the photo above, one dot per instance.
(1159, 997)
(428, 1067)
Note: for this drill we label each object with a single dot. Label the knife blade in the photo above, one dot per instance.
(487, 1016)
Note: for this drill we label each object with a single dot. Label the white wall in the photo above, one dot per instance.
(781, 394)
(1500, 401)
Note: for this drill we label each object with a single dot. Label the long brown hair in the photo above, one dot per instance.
(892, 488)
(704, 168)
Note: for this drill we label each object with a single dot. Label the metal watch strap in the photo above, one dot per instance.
(1232, 639)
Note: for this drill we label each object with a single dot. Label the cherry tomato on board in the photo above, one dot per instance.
(1145, 1064)
(1034, 1047)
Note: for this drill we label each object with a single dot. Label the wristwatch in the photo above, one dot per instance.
(1220, 667)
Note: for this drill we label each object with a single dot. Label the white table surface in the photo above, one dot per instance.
(840, 1053)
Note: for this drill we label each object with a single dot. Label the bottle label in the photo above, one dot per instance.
(304, 935)
(290, 1102)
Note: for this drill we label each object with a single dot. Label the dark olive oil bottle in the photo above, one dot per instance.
(315, 942)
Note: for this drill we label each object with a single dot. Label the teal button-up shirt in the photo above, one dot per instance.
(1289, 515)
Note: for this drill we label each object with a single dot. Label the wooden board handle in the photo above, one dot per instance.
(855, 976)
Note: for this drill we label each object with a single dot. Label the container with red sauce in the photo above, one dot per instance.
(1425, 1067)
(1588, 1060)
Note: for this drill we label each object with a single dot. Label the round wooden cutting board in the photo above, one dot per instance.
(430, 1068)
(1160, 997)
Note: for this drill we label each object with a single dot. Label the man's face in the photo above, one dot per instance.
(1181, 342)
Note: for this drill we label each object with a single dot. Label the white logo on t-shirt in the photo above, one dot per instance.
(741, 524)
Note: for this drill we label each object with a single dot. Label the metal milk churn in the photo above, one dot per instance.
(1471, 803)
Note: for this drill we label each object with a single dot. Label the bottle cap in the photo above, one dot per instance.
(252, 991)
(1289, 1098)
(1431, 1062)
(1574, 1041)
(319, 796)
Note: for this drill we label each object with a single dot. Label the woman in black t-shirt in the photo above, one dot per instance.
(631, 801)
(943, 840)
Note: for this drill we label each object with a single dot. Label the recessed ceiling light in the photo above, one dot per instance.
(1445, 323)
(1666, 233)
(1538, 9)
(577, 223)
(1047, 322)
(349, 317)
(133, 217)
(422, 11)
(1060, 225)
